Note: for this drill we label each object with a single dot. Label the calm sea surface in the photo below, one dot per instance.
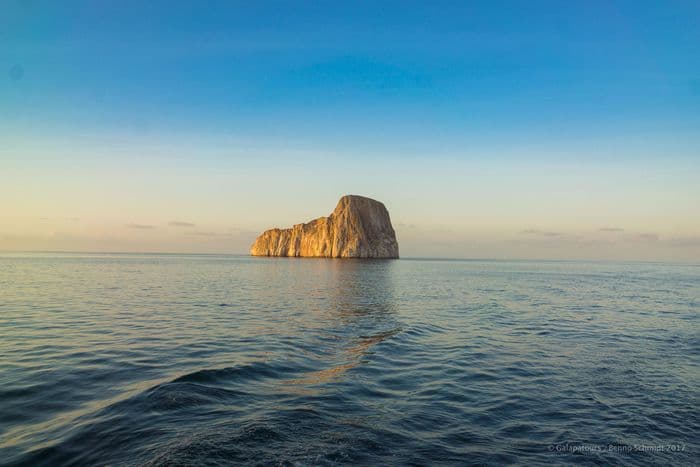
(164, 359)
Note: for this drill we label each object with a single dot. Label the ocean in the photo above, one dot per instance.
(148, 359)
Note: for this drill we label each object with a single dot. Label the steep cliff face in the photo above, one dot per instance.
(359, 227)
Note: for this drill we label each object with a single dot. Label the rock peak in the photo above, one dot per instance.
(359, 227)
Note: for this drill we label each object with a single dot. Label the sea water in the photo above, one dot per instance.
(202, 359)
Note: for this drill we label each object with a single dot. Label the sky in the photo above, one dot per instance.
(514, 129)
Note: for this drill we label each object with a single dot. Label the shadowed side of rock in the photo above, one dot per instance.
(359, 227)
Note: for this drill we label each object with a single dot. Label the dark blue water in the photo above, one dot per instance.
(162, 360)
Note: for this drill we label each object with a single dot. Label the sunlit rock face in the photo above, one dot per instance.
(359, 227)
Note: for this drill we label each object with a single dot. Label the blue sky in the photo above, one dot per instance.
(542, 89)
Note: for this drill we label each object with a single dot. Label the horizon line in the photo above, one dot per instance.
(435, 258)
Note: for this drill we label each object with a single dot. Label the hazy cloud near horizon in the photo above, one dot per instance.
(140, 226)
(648, 237)
(611, 229)
(543, 233)
(180, 224)
(210, 234)
(681, 242)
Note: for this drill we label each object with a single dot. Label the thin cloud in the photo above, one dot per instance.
(72, 219)
(648, 237)
(209, 234)
(230, 234)
(543, 233)
(139, 226)
(611, 229)
(684, 242)
(180, 224)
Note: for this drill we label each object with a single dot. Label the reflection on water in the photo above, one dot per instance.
(166, 359)
(358, 291)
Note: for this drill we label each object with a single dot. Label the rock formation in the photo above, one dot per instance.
(359, 227)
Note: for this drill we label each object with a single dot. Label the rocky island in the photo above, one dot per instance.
(359, 227)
